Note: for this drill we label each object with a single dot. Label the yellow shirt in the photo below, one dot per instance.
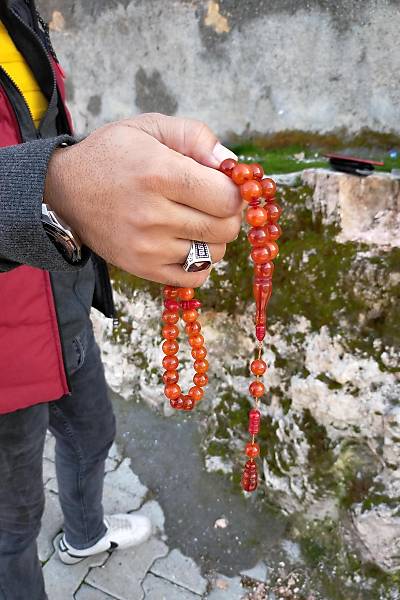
(17, 68)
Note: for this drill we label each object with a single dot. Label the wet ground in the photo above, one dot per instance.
(166, 455)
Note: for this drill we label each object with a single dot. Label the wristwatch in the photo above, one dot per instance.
(62, 236)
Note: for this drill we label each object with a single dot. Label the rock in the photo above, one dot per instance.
(123, 491)
(181, 570)
(226, 588)
(157, 588)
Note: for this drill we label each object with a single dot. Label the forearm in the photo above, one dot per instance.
(23, 239)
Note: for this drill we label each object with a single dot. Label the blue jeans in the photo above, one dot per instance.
(84, 427)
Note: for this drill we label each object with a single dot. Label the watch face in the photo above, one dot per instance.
(62, 237)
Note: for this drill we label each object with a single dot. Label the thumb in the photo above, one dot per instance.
(187, 136)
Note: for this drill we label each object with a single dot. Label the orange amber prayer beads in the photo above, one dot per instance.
(263, 233)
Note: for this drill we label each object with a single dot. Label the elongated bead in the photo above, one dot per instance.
(171, 305)
(250, 476)
(254, 421)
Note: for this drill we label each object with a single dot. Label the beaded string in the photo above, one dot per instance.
(263, 233)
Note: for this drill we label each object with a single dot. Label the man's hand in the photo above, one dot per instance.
(137, 191)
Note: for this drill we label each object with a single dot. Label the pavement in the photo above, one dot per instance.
(151, 571)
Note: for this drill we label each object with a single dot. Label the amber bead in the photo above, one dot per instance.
(196, 340)
(256, 216)
(265, 270)
(185, 293)
(177, 402)
(170, 363)
(170, 347)
(170, 292)
(258, 171)
(172, 391)
(254, 421)
(188, 402)
(192, 328)
(274, 212)
(260, 255)
(251, 191)
(258, 367)
(242, 173)
(199, 353)
(196, 393)
(189, 316)
(171, 305)
(256, 389)
(170, 317)
(269, 188)
(274, 231)
(201, 366)
(273, 249)
(170, 377)
(200, 379)
(252, 449)
(258, 236)
(250, 476)
(227, 166)
(170, 332)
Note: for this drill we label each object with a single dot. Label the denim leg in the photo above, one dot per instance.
(22, 437)
(84, 427)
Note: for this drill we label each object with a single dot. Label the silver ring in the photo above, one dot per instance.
(199, 257)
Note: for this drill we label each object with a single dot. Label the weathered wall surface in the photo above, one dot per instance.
(259, 66)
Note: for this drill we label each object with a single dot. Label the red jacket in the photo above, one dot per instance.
(31, 358)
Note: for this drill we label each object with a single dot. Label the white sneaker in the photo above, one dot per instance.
(123, 531)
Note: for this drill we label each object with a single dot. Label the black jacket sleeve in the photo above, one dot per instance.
(23, 240)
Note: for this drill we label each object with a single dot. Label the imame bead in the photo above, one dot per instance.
(172, 391)
(190, 315)
(170, 347)
(200, 379)
(256, 216)
(257, 389)
(273, 249)
(252, 449)
(192, 328)
(274, 212)
(196, 340)
(196, 393)
(258, 171)
(170, 377)
(170, 363)
(170, 317)
(199, 353)
(201, 366)
(188, 402)
(258, 366)
(269, 188)
(185, 293)
(170, 332)
(242, 173)
(260, 255)
(227, 166)
(170, 292)
(274, 231)
(258, 236)
(251, 191)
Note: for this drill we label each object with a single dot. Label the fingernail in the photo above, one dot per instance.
(220, 153)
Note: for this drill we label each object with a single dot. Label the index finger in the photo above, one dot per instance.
(206, 189)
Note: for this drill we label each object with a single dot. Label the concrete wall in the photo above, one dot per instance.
(242, 66)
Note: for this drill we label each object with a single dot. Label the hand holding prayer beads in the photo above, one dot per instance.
(263, 233)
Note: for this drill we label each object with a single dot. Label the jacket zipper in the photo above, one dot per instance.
(29, 123)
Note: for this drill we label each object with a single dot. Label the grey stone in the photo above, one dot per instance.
(181, 570)
(52, 521)
(87, 592)
(49, 447)
(154, 512)
(226, 588)
(52, 485)
(258, 572)
(125, 570)
(157, 588)
(49, 470)
(61, 580)
(123, 490)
